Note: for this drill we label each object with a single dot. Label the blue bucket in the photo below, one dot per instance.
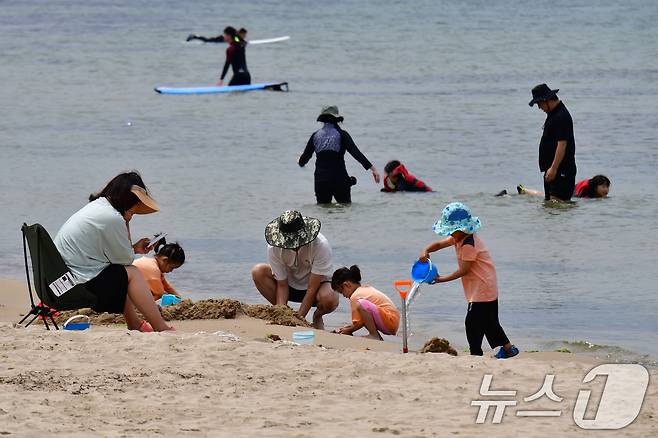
(424, 272)
(70, 325)
(169, 299)
(307, 337)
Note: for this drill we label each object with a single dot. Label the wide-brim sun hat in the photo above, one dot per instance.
(291, 230)
(146, 205)
(456, 217)
(331, 112)
(542, 93)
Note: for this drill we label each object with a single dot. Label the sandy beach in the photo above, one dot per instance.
(108, 381)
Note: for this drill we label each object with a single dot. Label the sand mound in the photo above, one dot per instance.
(438, 345)
(280, 315)
(205, 309)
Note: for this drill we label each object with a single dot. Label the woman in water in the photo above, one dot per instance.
(329, 144)
(236, 58)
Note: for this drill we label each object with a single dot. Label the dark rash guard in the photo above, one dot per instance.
(330, 144)
(235, 58)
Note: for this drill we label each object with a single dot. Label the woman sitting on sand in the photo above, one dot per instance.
(370, 308)
(96, 246)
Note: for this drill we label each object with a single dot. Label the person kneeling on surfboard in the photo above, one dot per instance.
(236, 58)
(398, 179)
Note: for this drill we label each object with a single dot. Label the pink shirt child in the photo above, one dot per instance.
(480, 284)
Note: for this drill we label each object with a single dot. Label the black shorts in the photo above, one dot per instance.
(561, 187)
(297, 295)
(110, 288)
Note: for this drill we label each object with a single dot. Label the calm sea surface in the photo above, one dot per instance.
(441, 85)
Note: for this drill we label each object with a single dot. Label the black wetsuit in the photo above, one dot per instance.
(331, 179)
(237, 59)
(217, 39)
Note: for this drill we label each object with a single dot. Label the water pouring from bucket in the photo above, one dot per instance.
(421, 272)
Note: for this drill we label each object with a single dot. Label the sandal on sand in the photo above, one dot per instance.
(145, 327)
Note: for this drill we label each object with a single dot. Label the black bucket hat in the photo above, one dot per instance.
(331, 113)
(291, 230)
(541, 93)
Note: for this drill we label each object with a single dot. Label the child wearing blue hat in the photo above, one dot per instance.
(478, 275)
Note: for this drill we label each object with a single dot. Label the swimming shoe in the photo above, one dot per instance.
(505, 354)
(501, 193)
(521, 189)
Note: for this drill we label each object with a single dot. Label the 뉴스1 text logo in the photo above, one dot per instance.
(620, 404)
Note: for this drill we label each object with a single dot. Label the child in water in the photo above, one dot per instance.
(595, 187)
(398, 179)
(370, 308)
(168, 256)
(478, 275)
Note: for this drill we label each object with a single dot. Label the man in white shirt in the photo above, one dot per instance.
(300, 266)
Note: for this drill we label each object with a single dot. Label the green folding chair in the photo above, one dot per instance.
(53, 282)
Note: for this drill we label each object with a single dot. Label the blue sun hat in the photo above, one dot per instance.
(456, 217)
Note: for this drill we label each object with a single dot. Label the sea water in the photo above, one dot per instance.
(442, 86)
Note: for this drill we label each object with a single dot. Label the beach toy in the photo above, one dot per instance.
(307, 337)
(424, 272)
(169, 299)
(403, 288)
(70, 325)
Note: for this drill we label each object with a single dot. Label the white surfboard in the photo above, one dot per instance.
(268, 40)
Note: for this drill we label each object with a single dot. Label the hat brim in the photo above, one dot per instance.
(544, 98)
(146, 205)
(306, 235)
(471, 227)
(329, 116)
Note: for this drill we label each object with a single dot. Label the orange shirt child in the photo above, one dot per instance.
(480, 283)
(154, 277)
(389, 316)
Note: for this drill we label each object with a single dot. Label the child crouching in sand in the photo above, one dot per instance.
(370, 308)
(168, 257)
(478, 275)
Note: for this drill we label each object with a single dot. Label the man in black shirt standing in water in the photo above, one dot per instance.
(557, 148)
